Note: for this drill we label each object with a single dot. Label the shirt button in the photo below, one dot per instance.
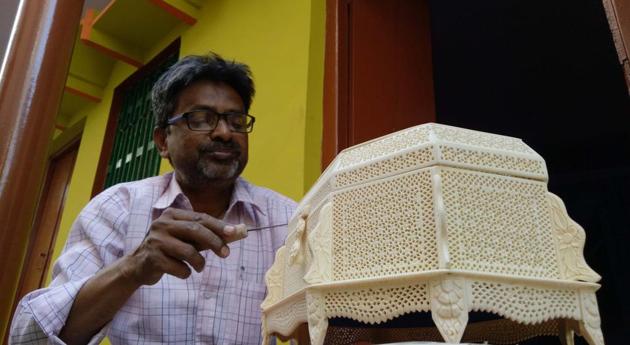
(207, 295)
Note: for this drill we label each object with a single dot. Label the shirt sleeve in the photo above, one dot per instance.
(95, 241)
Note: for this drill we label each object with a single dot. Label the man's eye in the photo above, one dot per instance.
(238, 120)
(197, 117)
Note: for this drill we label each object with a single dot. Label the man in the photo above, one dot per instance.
(168, 259)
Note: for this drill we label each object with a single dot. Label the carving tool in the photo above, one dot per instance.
(266, 227)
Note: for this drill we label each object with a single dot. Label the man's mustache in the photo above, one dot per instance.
(220, 146)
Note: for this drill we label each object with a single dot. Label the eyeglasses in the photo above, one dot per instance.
(206, 120)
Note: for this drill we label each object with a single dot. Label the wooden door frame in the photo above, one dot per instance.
(68, 140)
(618, 15)
(337, 126)
(73, 145)
(117, 103)
(336, 82)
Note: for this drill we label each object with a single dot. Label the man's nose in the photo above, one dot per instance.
(221, 131)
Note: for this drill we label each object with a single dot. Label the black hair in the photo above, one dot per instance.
(193, 68)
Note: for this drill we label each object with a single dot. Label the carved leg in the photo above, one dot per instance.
(263, 330)
(565, 332)
(450, 303)
(590, 326)
(265, 339)
(317, 320)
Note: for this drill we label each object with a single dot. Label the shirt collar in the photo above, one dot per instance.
(242, 194)
(173, 195)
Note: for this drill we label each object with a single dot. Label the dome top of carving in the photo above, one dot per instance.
(451, 146)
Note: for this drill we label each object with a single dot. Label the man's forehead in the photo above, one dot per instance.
(207, 94)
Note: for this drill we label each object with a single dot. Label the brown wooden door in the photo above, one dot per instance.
(46, 224)
(378, 73)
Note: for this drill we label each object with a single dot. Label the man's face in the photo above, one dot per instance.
(203, 157)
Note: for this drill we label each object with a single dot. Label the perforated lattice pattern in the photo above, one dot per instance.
(385, 167)
(384, 228)
(498, 224)
(485, 149)
(493, 161)
(483, 196)
(525, 304)
(375, 305)
(480, 139)
(384, 146)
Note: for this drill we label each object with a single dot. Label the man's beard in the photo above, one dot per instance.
(213, 169)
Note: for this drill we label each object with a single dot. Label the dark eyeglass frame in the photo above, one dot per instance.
(224, 116)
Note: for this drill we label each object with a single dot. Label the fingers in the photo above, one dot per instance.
(175, 240)
(239, 232)
(200, 230)
(228, 232)
(149, 261)
(184, 252)
(177, 237)
(198, 236)
(174, 267)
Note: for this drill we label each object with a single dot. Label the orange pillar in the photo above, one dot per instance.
(31, 85)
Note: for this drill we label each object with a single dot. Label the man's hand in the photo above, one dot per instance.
(174, 242)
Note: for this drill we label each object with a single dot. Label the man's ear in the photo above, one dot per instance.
(159, 137)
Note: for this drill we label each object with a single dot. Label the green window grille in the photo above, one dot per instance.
(134, 155)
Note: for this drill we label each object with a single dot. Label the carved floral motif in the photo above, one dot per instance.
(320, 242)
(296, 255)
(590, 326)
(274, 279)
(571, 238)
(286, 318)
(449, 307)
(317, 320)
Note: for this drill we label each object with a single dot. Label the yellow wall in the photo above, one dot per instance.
(80, 188)
(282, 41)
(273, 38)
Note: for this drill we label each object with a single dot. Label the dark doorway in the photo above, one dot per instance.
(543, 71)
(547, 72)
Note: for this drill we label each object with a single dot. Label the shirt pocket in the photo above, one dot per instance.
(249, 289)
(255, 256)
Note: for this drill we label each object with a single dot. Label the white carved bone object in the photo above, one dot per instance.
(434, 219)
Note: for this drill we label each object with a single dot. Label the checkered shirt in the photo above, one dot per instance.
(220, 305)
